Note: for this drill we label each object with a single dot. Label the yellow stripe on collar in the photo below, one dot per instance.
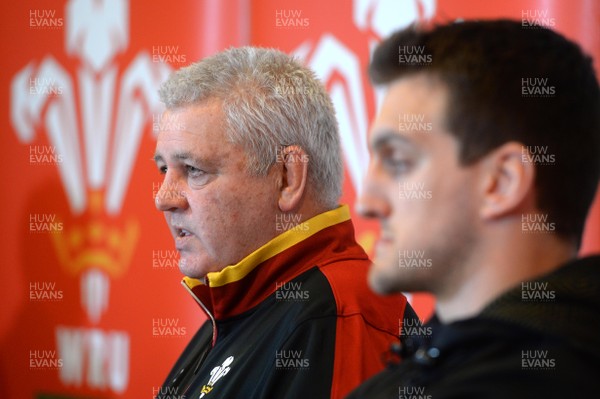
(192, 282)
(277, 245)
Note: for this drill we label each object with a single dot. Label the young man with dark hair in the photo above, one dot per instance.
(485, 158)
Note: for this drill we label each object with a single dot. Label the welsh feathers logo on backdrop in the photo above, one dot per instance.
(340, 69)
(93, 143)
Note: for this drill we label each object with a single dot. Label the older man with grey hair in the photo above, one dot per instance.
(252, 178)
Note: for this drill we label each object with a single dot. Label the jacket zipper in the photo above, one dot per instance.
(208, 313)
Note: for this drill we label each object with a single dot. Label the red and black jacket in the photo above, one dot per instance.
(294, 319)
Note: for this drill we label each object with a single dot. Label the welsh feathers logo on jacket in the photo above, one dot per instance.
(215, 375)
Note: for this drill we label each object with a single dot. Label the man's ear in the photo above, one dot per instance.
(294, 177)
(508, 181)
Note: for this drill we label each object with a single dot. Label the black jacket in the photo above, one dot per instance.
(539, 340)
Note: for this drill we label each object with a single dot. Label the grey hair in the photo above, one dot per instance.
(269, 100)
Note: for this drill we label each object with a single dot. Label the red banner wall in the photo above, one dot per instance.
(91, 301)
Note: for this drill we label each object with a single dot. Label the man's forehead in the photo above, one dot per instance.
(188, 124)
(204, 148)
(383, 136)
(413, 112)
(191, 117)
(419, 86)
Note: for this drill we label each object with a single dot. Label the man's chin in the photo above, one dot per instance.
(381, 282)
(193, 268)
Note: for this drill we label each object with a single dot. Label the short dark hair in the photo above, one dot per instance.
(485, 65)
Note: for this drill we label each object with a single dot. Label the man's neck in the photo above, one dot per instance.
(496, 268)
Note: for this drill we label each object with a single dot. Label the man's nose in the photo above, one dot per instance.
(171, 195)
(372, 201)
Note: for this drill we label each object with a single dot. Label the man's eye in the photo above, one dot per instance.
(193, 171)
(395, 162)
(397, 166)
(162, 170)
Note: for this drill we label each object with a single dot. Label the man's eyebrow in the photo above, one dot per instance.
(184, 156)
(387, 136)
(181, 156)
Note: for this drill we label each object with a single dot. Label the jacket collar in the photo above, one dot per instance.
(563, 303)
(238, 288)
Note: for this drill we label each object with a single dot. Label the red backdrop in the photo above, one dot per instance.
(91, 301)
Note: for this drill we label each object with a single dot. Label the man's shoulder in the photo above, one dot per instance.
(353, 297)
(349, 282)
(563, 304)
(340, 289)
(491, 360)
(520, 364)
